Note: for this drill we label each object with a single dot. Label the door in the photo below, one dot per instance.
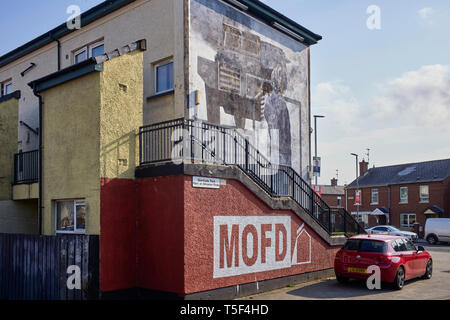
(408, 255)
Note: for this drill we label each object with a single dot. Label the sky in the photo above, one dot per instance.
(386, 89)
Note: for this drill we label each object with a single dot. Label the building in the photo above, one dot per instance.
(175, 131)
(333, 195)
(402, 195)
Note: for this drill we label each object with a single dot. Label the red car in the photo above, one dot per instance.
(398, 258)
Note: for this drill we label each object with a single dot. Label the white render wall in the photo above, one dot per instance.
(157, 21)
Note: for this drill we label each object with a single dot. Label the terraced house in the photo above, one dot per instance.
(177, 133)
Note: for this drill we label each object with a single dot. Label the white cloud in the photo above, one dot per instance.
(422, 96)
(405, 120)
(337, 101)
(425, 13)
(427, 16)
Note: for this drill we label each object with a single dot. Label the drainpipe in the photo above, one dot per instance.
(40, 201)
(59, 50)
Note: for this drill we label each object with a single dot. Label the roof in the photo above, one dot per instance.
(255, 7)
(378, 237)
(430, 171)
(83, 68)
(333, 190)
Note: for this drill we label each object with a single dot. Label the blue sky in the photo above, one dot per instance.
(387, 90)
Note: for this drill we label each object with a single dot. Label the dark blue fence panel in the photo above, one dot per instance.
(35, 267)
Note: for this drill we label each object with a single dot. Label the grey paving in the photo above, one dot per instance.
(437, 288)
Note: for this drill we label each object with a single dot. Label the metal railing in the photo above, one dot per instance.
(199, 142)
(26, 167)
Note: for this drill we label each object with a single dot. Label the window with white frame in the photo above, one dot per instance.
(407, 219)
(6, 88)
(70, 216)
(403, 194)
(424, 194)
(374, 196)
(90, 51)
(164, 77)
(339, 201)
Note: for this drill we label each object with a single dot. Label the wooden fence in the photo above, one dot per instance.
(35, 267)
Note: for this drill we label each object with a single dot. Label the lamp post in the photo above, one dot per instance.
(315, 137)
(357, 186)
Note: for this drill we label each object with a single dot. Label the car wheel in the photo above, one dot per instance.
(432, 239)
(399, 281)
(342, 279)
(428, 270)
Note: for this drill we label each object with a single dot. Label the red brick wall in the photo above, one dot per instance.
(438, 196)
(234, 199)
(332, 200)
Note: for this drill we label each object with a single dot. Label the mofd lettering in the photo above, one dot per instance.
(251, 244)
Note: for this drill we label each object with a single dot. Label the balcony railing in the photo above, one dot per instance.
(199, 142)
(26, 167)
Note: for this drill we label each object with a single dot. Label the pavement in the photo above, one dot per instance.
(436, 288)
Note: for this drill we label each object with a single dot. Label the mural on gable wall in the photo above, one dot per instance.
(251, 77)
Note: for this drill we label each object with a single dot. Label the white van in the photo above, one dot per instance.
(437, 230)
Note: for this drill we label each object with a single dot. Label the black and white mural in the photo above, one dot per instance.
(251, 77)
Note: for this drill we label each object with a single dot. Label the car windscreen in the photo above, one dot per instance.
(365, 246)
(372, 246)
(352, 245)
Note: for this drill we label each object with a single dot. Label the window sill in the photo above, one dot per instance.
(403, 203)
(427, 201)
(375, 204)
(161, 94)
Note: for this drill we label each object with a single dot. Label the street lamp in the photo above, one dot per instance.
(315, 136)
(357, 185)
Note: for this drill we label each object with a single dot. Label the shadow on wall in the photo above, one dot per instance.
(118, 158)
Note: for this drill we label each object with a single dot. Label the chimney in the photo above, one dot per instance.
(334, 182)
(363, 167)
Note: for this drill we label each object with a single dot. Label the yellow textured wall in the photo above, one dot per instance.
(8, 144)
(26, 191)
(91, 127)
(121, 115)
(71, 142)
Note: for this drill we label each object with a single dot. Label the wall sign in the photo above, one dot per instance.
(206, 183)
(244, 245)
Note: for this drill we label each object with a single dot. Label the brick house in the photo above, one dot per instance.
(402, 195)
(333, 195)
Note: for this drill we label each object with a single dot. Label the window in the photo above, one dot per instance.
(352, 245)
(383, 229)
(164, 78)
(400, 245)
(374, 196)
(409, 245)
(71, 216)
(424, 194)
(373, 246)
(90, 51)
(403, 194)
(80, 55)
(6, 88)
(96, 49)
(407, 219)
(339, 202)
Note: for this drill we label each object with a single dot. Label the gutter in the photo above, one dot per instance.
(87, 18)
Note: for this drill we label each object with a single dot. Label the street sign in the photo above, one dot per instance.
(358, 198)
(318, 190)
(316, 166)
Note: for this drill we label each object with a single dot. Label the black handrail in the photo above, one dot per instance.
(26, 167)
(188, 140)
